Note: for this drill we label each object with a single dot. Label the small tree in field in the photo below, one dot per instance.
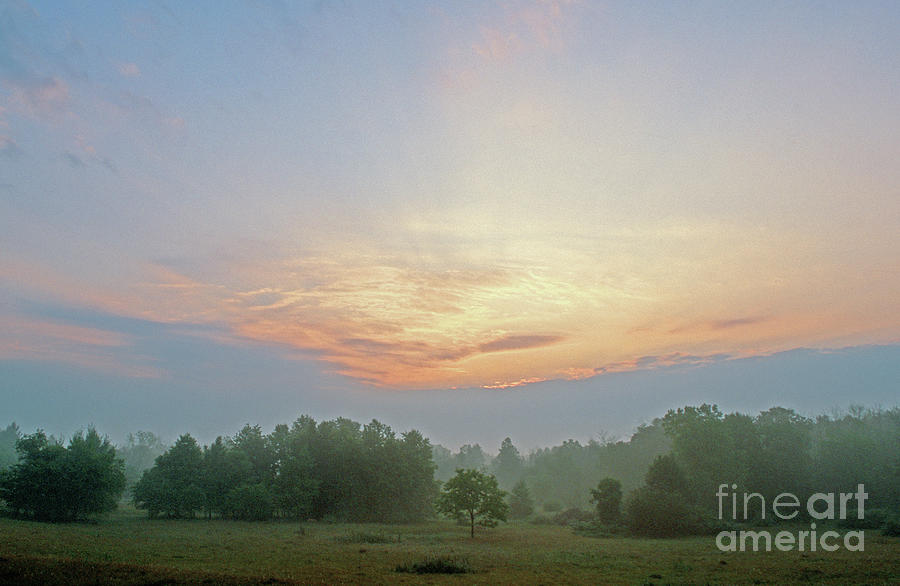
(473, 495)
(608, 498)
(521, 504)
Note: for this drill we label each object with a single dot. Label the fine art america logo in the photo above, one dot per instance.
(786, 506)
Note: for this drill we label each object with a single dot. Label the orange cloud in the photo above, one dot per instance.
(514, 384)
(392, 320)
(518, 343)
(639, 297)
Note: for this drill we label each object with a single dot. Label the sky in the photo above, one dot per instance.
(545, 219)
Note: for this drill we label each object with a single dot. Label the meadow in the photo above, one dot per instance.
(127, 548)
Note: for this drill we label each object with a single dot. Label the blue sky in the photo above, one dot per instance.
(434, 213)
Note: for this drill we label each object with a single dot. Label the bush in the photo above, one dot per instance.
(608, 499)
(360, 537)
(874, 519)
(656, 513)
(596, 529)
(572, 516)
(552, 507)
(437, 565)
(891, 527)
(521, 504)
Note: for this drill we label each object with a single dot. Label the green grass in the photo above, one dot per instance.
(126, 548)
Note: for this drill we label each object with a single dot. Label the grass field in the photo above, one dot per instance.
(126, 548)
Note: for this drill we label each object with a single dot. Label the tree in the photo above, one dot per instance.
(444, 461)
(54, 483)
(471, 457)
(251, 441)
(222, 469)
(173, 485)
(521, 504)
(661, 507)
(783, 458)
(8, 439)
(295, 486)
(139, 454)
(608, 499)
(250, 502)
(475, 495)
(666, 475)
(507, 466)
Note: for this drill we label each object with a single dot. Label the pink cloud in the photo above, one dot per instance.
(85, 347)
(40, 98)
(496, 45)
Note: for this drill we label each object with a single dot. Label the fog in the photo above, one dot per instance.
(61, 400)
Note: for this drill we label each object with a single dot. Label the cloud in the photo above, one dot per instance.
(46, 97)
(544, 21)
(127, 104)
(174, 122)
(110, 166)
(727, 324)
(525, 27)
(73, 159)
(387, 321)
(651, 362)
(518, 343)
(9, 148)
(498, 38)
(719, 324)
(499, 385)
(129, 69)
(26, 338)
(496, 45)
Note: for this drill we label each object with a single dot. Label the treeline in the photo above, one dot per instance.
(777, 451)
(668, 473)
(662, 481)
(49, 481)
(561, 477)
(336, 469)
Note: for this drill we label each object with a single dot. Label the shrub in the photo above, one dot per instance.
(608, 499)
(873, 520)
(360, 537)
(891, 527)
(596, 529)
(437, 565)
(521, 504)
(572, 516)
(656, 513)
